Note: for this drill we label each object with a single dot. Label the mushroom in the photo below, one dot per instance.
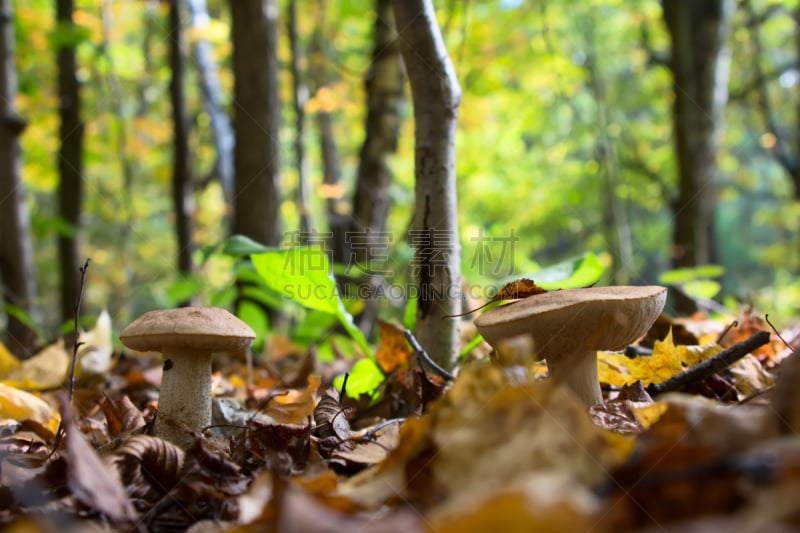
(186, 337)
(568, 327)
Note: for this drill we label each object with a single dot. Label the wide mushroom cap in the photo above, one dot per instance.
(208, 329)
(568, 321)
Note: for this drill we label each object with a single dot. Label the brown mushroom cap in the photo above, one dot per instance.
(208, 329)
(569, 321)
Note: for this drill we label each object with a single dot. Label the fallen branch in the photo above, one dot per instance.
(702, 370)
(420, 352)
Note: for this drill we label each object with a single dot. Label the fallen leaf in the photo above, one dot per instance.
(521, 288)
(94, 356)
(45, 370)
(121, 416)
(393, 349)
(666, 361)
(94, 485)
(20, 405)
(295, 406)
(149, 467)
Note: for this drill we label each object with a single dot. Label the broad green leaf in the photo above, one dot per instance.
(304, 276)
(573, 273)
(182, 290)
(365, 377)
(254, 316)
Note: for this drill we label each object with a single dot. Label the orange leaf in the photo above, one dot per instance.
(295, 406)
(522, 288)
(393, 350)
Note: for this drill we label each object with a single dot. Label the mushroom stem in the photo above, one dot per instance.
(185, 396)
(579, 372)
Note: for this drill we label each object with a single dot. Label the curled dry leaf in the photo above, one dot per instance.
(148, 466)
(122, 416)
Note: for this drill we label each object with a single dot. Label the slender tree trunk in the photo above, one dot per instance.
(384, 86)
(16, 255)
(299, 99)
(181, 173)
(221, 130)
(70, 165)
(700, 66)
(256, 119)
(616, 226)
(331, 190)
(436, 96)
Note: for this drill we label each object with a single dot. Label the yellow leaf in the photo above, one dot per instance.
(94, 357)
(19, 405)
(45, 370)
(7, 361)
(666, 361)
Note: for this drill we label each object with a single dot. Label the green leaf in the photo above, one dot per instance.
(679, 276)
(365, 378)
(476, 340)
(410, 314)
(572, 273)
(182, 289)
(304, 275)
(254, 316)
(240, 246)
(702, 288)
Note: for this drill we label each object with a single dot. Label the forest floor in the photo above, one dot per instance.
(500, 446)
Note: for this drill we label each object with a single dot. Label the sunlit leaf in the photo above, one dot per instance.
(303, 275)
(19, 405)
(364, 378)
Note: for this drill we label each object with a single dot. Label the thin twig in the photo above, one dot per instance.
(734, 324)
(705, 368)
(771, 325)
(424, 357)
(76, 345)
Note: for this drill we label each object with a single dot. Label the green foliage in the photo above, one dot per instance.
(364, 378)
(304, 276)
(573, 273)
(696, 282)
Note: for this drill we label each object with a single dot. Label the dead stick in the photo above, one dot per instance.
(702, 370)
(76, 345)
(423, 356)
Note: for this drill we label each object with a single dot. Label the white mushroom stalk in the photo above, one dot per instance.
(187, 338)
(569, 327)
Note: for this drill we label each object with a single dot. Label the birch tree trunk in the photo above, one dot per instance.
(16, 255)
(181, 174)
(70, 165)
(436, 96)
(208, 72)
(256, 120)
(700, 64)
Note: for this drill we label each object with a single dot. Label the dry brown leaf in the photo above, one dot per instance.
(393, 349)
(148, 466)
(89, 480)
(122, 416)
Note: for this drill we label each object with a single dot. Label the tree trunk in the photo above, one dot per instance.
(700, 66)
(256, 120)
(299, 99)
(384, 86)
(436, 96)
(181, 174)
(70, 165)
(331, 190)
(16, 254)
(221, 130)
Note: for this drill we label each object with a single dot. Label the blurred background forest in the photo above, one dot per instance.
(639, 133)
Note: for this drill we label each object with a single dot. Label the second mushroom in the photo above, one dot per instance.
(568, 328)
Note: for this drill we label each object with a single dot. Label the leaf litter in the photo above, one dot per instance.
(501, 446)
